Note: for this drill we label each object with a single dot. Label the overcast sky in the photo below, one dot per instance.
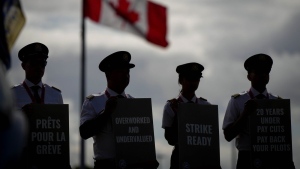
(218, 34)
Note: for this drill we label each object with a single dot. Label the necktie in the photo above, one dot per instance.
(120, 96)
(190, 102)
(260, 96)
(36, 95)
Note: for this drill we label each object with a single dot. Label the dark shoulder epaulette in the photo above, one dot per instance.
(56, 88)
(202, 98)
(235, 95)
(90, 97)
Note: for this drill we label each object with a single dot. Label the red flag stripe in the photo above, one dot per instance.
(92, 9)
(157, 24)
(153, 28)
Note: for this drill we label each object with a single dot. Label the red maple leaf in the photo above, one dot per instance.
(123, 11)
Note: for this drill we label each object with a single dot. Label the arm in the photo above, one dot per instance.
(171, 135)
(61, 99)
(170, 122)
(91, 127)
(233, 129)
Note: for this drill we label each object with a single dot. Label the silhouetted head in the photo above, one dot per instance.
(34, 60)
(116, 67)
(258, 67)
(189, 75)
(259, 63)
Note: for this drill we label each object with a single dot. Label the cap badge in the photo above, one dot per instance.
(195, 67)
(262, 58)
(38, 48)
(125, 57)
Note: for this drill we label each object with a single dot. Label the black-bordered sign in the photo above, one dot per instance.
(134, 134)
(48, 139)
(270, 131)
(198, 136)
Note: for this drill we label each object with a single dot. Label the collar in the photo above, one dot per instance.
(113, 93)
(184, 100)
(255, 92)
(30, 84)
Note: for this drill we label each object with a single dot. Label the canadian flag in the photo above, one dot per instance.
(141, 17)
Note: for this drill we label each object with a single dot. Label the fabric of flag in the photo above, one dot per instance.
(11, 23)
(5, 55)
(141, 17)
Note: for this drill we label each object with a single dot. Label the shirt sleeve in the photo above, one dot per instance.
(60, 99)
(168, 116)
(87, 112)
(231, 114)
(207, 103)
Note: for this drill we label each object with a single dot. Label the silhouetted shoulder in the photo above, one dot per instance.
(273, 96)
(90, 97)
(55, 88)
(237, 95)
(16, 86)
(201, 98)
(129, 96)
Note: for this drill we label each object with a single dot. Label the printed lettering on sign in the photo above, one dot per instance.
(270, 130)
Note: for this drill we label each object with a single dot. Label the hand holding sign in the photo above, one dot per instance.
(27, 109)
(134, 134)
(111, 105)
(250, 107)
(174, 105)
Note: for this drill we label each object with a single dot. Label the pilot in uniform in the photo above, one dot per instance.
(33, 91)
(242, 104)
(189, 78)
(95, 119)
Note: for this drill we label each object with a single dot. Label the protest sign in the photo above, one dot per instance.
(198, 136)
(270, 130)
(133, 128)
(48, 140)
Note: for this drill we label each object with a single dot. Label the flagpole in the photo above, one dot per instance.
(82, 149)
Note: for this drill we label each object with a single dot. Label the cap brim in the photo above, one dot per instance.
(131, 65)
(34, 55)
(116, 67)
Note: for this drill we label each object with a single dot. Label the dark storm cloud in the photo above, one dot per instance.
(288, 37)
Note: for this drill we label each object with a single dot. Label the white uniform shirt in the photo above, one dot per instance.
(168, 116)
(52, 95)
(104, 143)
(234, 109)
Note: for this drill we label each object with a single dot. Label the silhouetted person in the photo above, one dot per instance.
(243, 104)
(32, 90)
(189, 78)
(95, 120)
